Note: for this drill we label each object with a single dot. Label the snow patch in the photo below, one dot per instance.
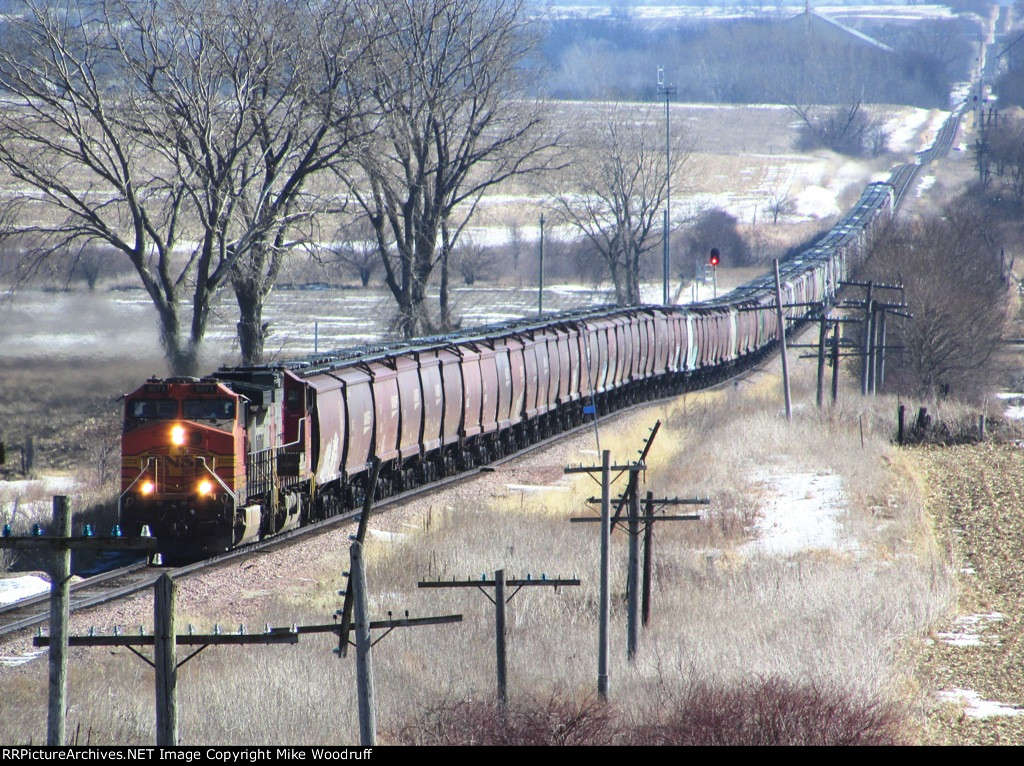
(18, 588)
(968, 631)
(976, 707)
(388, 537)
(1013, 404)
(801, 511)
(13, 660)
(535, 488)
(902, 130)
(28, 500)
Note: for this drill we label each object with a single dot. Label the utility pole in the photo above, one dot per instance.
(500, 583)
(667, 90)
(873, 332)
(782, 342)
(165, 661)
(165, 642)
(822, 335)
(60, 545)
(634, 588)
(540, 277)
(835, 361)
(865, 382)
(630, 497)
(355, 616)
(60, 583)
(604, 607)
(364, 662)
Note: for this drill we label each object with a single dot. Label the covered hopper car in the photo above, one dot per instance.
(247, 453)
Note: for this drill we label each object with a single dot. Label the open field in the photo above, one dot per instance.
(726, 608)
(975, 658)
(815, 566)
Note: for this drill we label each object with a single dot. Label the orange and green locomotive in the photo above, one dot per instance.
(211, 464)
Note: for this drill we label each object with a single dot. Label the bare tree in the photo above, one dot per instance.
(780, 202)
(445, 76)
(356, 250)
(959, 295)
(1007, 152)
(718, 228)
(619, 188)
(473, 260)
(515, 241)
(847, 129)
(168, 131)
(306, 60)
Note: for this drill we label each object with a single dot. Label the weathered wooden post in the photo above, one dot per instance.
(364, 660)
(648, 553)
(633, 580)
(499, 631)
(60, 581)
(165, 661)
(866, 344)
(782, 342)
(822, 337)
(28, 456)
(605, 607)
(500, 583)
(60, 545)
(901, 418)
(835, 363)
(879, 383)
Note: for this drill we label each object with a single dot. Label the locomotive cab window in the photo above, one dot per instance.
(152, 409)
(209, 409)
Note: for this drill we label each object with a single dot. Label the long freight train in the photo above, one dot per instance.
(251, 452)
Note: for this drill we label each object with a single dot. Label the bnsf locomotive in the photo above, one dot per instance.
(251, 452)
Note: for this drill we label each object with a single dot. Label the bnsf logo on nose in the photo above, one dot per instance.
(183, 461)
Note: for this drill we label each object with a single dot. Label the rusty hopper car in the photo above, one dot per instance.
(247, 453)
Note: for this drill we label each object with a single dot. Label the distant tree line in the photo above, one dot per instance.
(756, 60)
(201, 146)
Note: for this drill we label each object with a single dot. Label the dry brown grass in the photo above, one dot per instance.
(816, 620)
(820, 619)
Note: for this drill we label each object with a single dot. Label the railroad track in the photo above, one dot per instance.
(126, 581)
(121, 583)
(92, 591)
(902, 178)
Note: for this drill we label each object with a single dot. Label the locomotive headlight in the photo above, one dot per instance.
(205, 487)
(178, 436)
(147, 487)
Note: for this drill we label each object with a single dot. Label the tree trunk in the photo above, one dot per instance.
(182, 356)
(446, 319)
(252, 333)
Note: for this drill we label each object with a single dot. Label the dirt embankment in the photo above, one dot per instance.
(976, 660)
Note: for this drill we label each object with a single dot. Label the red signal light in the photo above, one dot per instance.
(714, 256)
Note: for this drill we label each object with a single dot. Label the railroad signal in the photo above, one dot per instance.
(713, 260)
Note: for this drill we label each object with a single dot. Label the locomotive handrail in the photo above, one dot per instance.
(142, 472)
(219, 480)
